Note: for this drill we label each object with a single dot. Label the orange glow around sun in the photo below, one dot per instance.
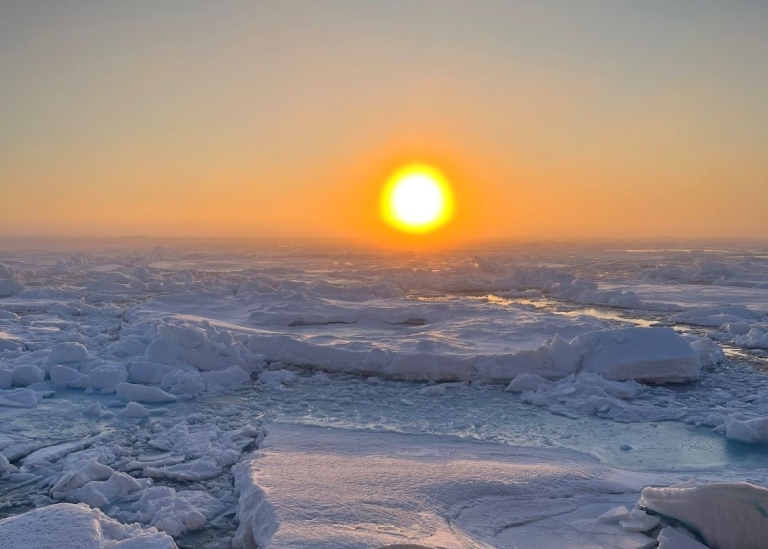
(417, 199)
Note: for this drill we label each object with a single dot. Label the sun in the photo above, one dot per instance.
(417, 199)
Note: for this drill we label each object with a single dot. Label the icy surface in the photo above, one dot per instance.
(308, 482)
(136, 379)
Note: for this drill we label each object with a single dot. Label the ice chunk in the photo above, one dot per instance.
(194, 346)
(710, 353)
(18, 398)
(726, 515)
(148, 372)
(141, 393)
(756, 338)
(176, 512)
(277, 377)
(107, 375)
(528, 382)
(57, 451)
(639, 521)
(64, 376)
(615, 515)
(71, 480)
(183, 382)
(100, 493)
(63, 353)
(195, 520)
(27, 374)
(197, 469)
(233, 376)
(134, 410)
(433, 390)
(566, 357)
(94, 410)
(656, 355)
(10, 287)
(750, 431)
(68, 526)
(736, 328)
(669, 538)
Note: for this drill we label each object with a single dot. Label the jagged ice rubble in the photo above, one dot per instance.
(255, 396)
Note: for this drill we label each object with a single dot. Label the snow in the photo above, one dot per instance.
(478, 398)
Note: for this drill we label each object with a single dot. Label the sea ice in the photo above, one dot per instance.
(656, 355)
(142, 393)
(19, 398)
(669, 538)
(726, 515)
(68, 526)
(175, 512)
(528, 382)
(750, 431)
(27, 374)
(191, 328)
(311, 488)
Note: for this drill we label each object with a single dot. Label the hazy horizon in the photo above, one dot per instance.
(552, 120)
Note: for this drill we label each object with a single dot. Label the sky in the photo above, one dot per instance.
(552, 119)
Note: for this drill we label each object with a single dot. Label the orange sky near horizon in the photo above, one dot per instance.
(285, 119)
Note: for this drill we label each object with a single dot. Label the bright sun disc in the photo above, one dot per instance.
(417, 199)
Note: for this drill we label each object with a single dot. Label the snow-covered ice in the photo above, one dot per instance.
(306, 483)
(67, 526)
(135, 383)
(725, 515)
